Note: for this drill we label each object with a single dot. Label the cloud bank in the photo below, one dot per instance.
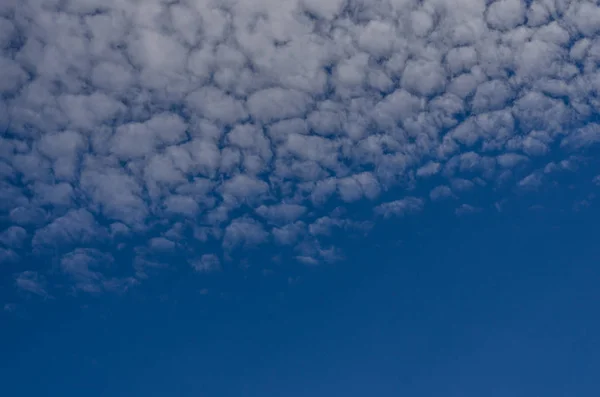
(205, 127)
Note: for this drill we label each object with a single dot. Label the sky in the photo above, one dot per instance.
(299, 198)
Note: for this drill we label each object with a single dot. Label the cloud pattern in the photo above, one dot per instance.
(204, 127)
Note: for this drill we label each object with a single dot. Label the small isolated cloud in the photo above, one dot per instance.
(531, 181)
(325, 226)
(311, 252)
(207, 263)
(461, 185)
(31, 282)
(307, 260)
(466, 209)
(399, 207)
(8, 256)
(440, 193)
(161, 244)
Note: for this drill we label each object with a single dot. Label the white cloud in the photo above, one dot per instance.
(243, 188)
(84, 266)
(244, 232)
(400, 207)
(506, 14)
(26, 215)
(274, 104)
(215, 105)
(113, 190)
(32, 282)
(281, 213)
(358, 186)
(13, 237)
(161, 244)
(424, 78)
(289, 234)
(8, 256)
(75, 227)
(428, 169)
(312, 253)
(207, 263)
(510, 160)
(531, 181)
(462, 184)
(466, 209)
(440, 192)
(147, 115)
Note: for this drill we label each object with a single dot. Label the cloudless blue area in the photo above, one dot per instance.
(492, 304)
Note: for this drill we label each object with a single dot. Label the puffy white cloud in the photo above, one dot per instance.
(25, 215)
(32, 282)
(424, 78)
(243, 188)
(440, 192)
(207, 263)
(113, 190)
(272, 104)
(290, 233)
(8, 256)
(13, 237)
(510, 160)
(181, 204)
(312, 253)
(358, 186)
(460, 184)
(428, 169)
(531, 181)
(245, 232)
(87, 268)
(506, 14)
(400, 207)
(215, 105)
(78, 264)
(161, 244)
(281, 213)
(155, 121)
(75, 227)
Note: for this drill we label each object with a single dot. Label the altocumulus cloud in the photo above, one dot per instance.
(155, 127)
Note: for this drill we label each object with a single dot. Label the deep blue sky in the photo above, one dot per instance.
(496, 304)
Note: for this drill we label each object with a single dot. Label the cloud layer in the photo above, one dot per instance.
(173, 126)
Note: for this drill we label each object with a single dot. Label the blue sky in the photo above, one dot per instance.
(299, 197)
(493, 304)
